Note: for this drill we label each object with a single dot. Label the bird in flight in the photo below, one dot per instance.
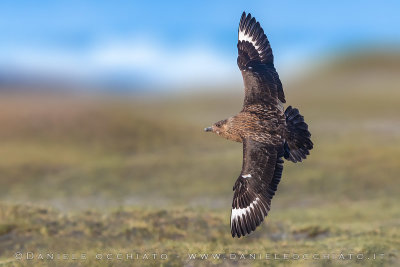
(268, 132)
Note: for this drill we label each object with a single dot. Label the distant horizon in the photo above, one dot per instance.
(39, 82)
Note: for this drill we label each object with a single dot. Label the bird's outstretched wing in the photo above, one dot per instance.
(256, 185)
(256, 62)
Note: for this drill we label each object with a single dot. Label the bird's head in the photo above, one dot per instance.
(219, 127)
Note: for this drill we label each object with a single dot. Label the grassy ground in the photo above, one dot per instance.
(101, 174)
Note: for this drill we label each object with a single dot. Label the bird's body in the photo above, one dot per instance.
(268, 132)
(257, 123)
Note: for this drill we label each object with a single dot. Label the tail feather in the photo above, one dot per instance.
(298, 143)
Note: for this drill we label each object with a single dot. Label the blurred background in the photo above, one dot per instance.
(102, 106)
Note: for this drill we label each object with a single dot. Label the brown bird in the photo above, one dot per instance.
(268, 133)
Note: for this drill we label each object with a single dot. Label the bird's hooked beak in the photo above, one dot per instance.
(208, 129)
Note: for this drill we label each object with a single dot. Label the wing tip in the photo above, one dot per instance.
(247, 222)
(244, 20)
(250, 30)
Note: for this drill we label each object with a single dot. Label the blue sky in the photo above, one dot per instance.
(176, 42)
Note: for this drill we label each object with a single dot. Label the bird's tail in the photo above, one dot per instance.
(298, 143)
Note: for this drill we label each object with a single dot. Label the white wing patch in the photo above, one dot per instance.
(246, 37)
(280, 106)
(239, 212)
(246, 176)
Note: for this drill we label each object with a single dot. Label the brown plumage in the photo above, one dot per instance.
(268, 133)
